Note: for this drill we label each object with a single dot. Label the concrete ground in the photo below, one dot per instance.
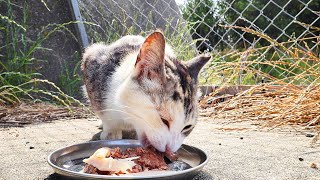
(236, 151)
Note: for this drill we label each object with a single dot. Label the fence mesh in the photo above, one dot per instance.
(217, 26)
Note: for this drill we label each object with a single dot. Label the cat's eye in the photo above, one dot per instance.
(165, 122)
(187, 130)
(186, 127)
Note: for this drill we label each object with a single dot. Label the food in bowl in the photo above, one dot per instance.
(110, 161)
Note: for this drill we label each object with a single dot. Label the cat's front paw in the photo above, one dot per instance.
(111, 135)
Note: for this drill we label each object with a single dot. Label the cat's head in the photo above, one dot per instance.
(161, 94)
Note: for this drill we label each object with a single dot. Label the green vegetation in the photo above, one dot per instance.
(261, 15)
(286, 59)
(202, 15)
(70, 81)
(300, 66)
(275, 23)
(110, 32)
(257, 54)
(19, 79)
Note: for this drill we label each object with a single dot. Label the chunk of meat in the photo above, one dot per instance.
(102, 159)
(148, 158)
(140, 159)
(171, 156)
(88, 168)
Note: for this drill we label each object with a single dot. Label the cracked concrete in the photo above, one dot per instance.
(236, 151)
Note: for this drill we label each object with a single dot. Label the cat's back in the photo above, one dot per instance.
(100, 61)
(112, 54)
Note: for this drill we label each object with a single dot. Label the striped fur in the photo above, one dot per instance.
(137, 83)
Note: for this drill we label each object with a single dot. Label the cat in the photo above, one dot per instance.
(138, 83)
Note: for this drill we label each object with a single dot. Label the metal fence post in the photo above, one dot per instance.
(81, 31)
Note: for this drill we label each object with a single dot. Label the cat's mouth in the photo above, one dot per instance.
(145, 141)
(170, 156)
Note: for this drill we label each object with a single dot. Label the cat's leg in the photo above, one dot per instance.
(114, 127)
(117, 129)
(111, 130)
(128, 131)
(129, 134)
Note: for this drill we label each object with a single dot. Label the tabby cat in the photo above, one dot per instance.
(138, 84)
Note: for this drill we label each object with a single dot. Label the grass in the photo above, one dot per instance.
(109, 32)
(71, 80)
(289, 97)
(284, 65)
(18, 80)
(278, 63)
(293, 69)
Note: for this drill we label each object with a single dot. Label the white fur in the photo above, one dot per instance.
(114, 120)
(128, 106)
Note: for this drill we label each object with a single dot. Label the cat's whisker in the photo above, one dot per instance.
(106, 110)
(130, 114)
(140, 118)
(116, 110)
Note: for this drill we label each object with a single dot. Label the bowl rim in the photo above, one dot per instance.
(63, 171)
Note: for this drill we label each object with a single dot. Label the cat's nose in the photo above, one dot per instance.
(168, 149)
(170, 155)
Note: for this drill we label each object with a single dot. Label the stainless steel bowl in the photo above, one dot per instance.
(68, 161)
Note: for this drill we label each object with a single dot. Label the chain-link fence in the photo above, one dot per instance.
(215, 26)
(113, 19)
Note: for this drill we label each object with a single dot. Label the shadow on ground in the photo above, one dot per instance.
(200, 176)
(125, 135)
(56, 176)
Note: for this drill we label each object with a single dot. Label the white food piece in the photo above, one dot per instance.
(102, 152)
(99, 160)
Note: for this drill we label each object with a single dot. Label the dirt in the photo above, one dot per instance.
(33, 113)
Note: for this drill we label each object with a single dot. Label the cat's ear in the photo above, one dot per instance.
(150, 61)
(194, 65)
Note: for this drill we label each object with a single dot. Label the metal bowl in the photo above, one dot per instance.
(68, 161)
